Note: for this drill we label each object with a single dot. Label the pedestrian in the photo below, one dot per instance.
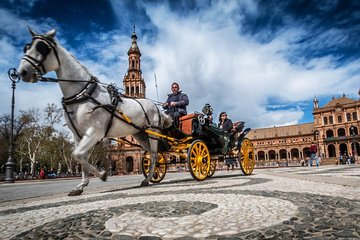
(42, 173)
(340, 159)
(313, 156)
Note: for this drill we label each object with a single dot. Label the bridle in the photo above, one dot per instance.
(44, 47)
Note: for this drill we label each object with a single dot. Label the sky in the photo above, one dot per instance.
(260, 61)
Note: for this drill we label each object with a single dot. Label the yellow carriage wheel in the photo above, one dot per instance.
(199, 160)
(213, 164)
(160, 167)
(247, 157)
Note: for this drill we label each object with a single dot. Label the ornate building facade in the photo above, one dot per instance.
(335, 130)
(125, 156)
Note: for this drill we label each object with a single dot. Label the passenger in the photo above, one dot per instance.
(176, 103)
(227, 126)
(225, 123)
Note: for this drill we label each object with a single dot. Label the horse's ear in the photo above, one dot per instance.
(32, 32)
(50, 34)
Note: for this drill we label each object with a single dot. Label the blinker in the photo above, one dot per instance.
(43, 48)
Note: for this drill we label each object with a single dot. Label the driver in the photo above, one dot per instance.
(176, 103)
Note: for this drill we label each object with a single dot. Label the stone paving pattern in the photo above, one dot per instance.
(269, 204)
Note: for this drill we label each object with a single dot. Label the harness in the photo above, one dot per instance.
(86, 94)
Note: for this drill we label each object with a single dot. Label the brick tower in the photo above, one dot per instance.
(133, 82)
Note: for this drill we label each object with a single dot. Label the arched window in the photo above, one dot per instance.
(261, 155)
(132, 64)
(282, 154)
(294, 153)
(329, 133)
(137, 89)
(355, 131)
(341, 132)
(331, 150)
(272, 155)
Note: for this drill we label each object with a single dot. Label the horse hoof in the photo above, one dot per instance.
(103, 176)
(75, 192)
(144, 183)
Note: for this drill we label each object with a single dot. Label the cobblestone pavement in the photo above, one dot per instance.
(282, 203)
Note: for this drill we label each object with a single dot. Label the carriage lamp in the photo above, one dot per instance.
(10, 164)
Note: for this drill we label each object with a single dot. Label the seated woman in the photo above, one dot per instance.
(225, 123)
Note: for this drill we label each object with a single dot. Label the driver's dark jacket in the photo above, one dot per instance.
(181, 100)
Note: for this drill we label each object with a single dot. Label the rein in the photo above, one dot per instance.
(56, 80)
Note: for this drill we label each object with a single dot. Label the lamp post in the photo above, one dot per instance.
(10, 164)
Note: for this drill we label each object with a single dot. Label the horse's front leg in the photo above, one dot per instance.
(84, 182)
(154, 149)
(81, 156)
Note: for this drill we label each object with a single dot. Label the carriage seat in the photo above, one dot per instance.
(186, 123)
(238, 126)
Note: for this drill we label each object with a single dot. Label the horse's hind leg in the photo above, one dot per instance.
(154, 148)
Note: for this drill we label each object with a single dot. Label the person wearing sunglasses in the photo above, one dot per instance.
(176, 103)
(225, 123)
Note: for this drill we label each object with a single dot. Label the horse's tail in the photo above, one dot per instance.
(168, 121)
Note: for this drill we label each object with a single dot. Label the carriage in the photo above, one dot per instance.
(202, 146)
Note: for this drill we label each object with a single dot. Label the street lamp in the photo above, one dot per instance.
(10, 164)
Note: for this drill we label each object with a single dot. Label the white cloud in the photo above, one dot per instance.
(235, 73)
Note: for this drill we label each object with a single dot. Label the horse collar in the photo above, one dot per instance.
(84, 94)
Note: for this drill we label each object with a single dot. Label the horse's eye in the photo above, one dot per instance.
(26, 47)
(43, 48)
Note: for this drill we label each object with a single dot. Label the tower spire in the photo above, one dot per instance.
(133, 82)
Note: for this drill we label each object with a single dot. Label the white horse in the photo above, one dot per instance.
(89, 108)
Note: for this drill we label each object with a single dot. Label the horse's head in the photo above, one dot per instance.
(40, 56)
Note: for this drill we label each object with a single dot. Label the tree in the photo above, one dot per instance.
(39, 134)
(20, 123)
